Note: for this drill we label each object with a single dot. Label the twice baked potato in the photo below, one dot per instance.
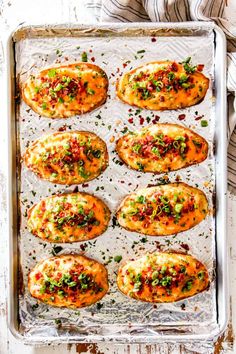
(68, 218)
(66, 90)
(67, 157)
(162, 148)
(163, 210)
(68, 281)
(162, 277)
(163, 85)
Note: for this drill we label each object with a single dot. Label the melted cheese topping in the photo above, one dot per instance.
(68, 281)
(67, 90)
(163, 210)
(68, 218)
(162, 277)
(163, 85)
(161, 148)
(67, 157)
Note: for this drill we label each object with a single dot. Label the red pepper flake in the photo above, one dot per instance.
(181, 117)
(118, 70)
(156, 119)
(141, 120)
(130, 110)
(90, 51)
(199, 117)
(131, 120)
(200, 67)
(153, 39)
(66, 58)
(183, 307)
(63, 128)
(185, 246)
(93, 59)
(124, 65)
(85, 185)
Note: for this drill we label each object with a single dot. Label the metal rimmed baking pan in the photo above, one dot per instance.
(117, 48)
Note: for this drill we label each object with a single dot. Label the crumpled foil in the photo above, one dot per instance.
(116, 317)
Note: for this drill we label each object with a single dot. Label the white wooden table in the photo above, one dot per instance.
(12, 13)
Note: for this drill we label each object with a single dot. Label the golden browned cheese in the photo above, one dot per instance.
(67, 157)
(163, 210)
(66, 90)
(162, 277)
(68, 218)
(68, 281)
(162, 148)
(163, 85)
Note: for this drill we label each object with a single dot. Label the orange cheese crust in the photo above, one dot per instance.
(162, 148)
(68, 218)
(162, 277)
(163, 85)
(70, 280)
(67, 157)
(163, 210)
(66, 90)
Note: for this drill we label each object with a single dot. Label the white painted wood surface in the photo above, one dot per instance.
(12, 13)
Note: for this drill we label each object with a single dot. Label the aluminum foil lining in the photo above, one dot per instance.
(116, 314)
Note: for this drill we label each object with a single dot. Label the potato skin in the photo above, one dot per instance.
(66, 90)
(70, 280)
(67, 157)
(163, 210)
(162, 277)
(68, 218)
(162, 85)
(162, 148)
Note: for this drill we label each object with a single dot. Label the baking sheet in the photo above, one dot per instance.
(117, 55)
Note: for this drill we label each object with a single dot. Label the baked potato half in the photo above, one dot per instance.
(162, 148)
(68, 281)
(163, 210)
(162, 277)
(67, 157)
(66, 90)
(163, 85)
(68, 218)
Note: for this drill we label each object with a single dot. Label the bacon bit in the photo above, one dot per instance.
(199, 117)
(174, 67)
(112, 139)
(38, 276)
(181, 117)
(43, 205)
(124, 65)
(185, 246)
(162, 98)
(200, 67)
(141, 120)
(93, 59)
(156, 119)
(131, 120)
(63, 128)
(153, 39)
(66, 58)
(67, 206)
